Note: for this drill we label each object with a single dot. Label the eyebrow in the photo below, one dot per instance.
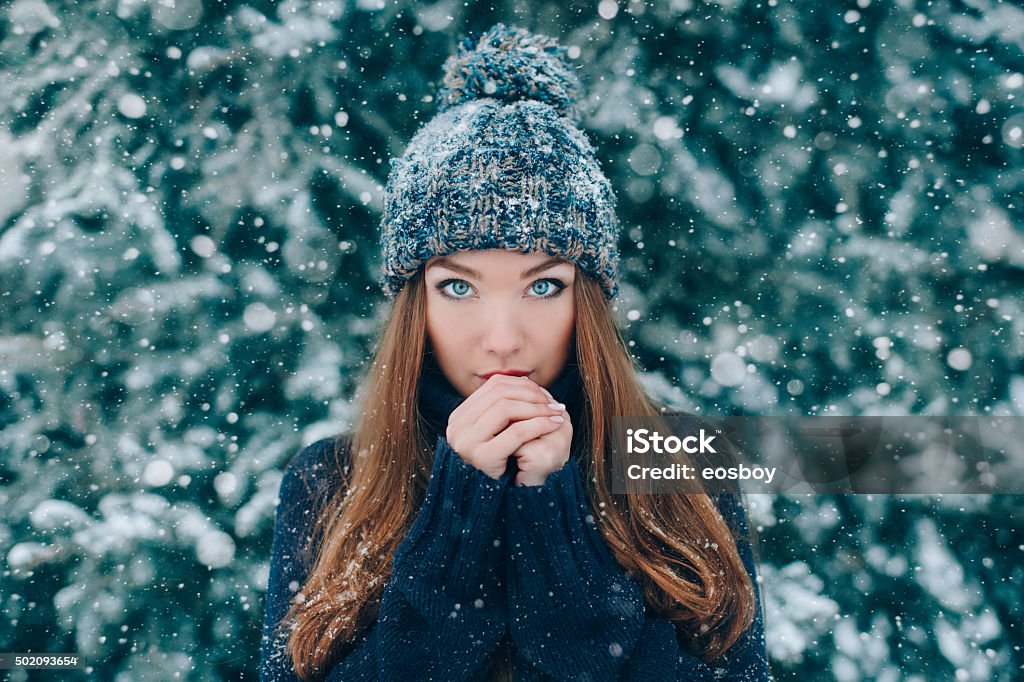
(452, 265)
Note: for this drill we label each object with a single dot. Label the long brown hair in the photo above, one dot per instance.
(677, 547)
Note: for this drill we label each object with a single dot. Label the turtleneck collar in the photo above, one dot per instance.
(438, 398)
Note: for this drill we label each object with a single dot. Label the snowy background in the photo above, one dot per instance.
(823, 214)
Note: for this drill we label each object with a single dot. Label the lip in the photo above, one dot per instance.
(509, 372)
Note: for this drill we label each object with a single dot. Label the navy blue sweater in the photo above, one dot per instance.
(487, 563)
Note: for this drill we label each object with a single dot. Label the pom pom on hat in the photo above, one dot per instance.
(510, 64)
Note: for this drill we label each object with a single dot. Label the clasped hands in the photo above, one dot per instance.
(511, 416)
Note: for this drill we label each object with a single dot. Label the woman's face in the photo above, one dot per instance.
(499, 311)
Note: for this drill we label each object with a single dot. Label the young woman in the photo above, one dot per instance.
(466, 529)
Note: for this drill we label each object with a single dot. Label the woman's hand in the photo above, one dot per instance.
(544, 455)
(497, 419)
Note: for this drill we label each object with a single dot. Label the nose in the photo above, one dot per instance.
(502, 331)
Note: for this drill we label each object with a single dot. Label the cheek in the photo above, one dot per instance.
(434, 325)
(442, 326)
(557, 327)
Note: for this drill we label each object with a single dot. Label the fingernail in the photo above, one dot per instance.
(557, 418)
(556, 406)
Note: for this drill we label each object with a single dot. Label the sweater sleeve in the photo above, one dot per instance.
(746, 659)
(306, 476)
(573, 609)
(440, 615)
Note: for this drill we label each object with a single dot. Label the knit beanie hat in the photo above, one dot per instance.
(502, 165)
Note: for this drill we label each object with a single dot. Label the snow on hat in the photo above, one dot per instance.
(502, 165)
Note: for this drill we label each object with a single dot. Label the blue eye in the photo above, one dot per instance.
(459, 287)
(554, 287)
(545, 284)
